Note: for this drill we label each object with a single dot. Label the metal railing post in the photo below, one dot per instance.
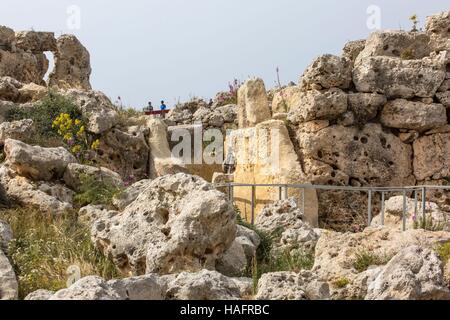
(404, 210)
(369, 208)
(416, 200)
(424, 204)
(303, 200)
(253, 204)
(280, 193)
(286, 193)
(382, 207)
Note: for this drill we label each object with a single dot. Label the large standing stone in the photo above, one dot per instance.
(415, 273)
(398, 78)
(318, 105)
(431, 156)
(266, 155)
(404, 114)
(253, 105)
(180, 222)
(352, 49)
(23, 66)
(36, 162)
(326, 72)
(7, 38)
(72, 64)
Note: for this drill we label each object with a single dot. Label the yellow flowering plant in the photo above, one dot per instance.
(73, 133)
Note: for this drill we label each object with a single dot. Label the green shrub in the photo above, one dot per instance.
(43, 114)
(364, 259)
(46, 246)
(341, 283)
(443, 250)
(95, 191)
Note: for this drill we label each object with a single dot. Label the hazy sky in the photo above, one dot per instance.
(173, 49)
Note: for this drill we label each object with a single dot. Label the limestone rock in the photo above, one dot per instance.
(32, 92)
(47, 198)
(6, 236)
(249, 240)
(336, 253)
(8, 283)
(318, 105)
(415, 273)
(233, 261)
(398, 78)
(89, 288)
(40, 295)
(180, 222)
(394, 214)
(7, 38)
(400, 44)
(365, 106)
(404, 114)
(74, 174)
(286, 99)
(125, 152)
(89, 214)
(286, 218)
(25, 67)
(5, 107)
(253, 105)
(291, 286)
(430, 156)
(72, 64)
(36, 42)
(127, 196)
(9, 89)
(352, 151)
(326, 72)
(19, 130)
(147, 287)
(36, 162)
(96, 108)
(437, 28)
(203, 285)
(444, 98)
(352, 49)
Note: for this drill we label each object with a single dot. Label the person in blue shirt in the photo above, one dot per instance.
(163, 108)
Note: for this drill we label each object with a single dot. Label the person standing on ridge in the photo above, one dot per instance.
(163, 108)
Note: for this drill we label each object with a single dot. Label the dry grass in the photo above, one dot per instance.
(46, 246)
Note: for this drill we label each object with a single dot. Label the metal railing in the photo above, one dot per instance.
(283, 191)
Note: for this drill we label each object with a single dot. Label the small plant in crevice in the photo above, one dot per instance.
(428, 223)
(341, 283)
(95, 191)
(443, 250)
(365, 258)
(415, 21)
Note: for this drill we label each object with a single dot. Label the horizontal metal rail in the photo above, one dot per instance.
(283, 194)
